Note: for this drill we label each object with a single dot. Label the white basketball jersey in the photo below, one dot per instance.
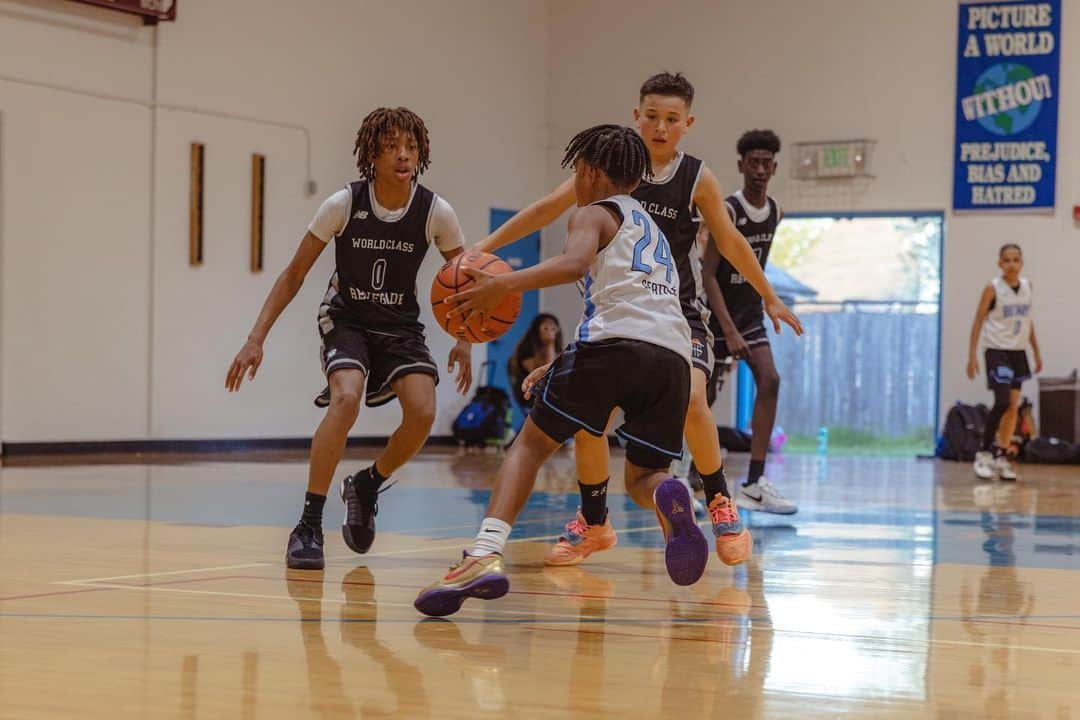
(632, 287)
(1008, 326)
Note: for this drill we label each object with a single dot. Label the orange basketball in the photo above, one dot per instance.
(450, 279)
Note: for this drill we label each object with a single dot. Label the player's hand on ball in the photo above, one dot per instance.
(482, 297)
(247, 361)
(461, 356)
(781, 313)
(532, 378)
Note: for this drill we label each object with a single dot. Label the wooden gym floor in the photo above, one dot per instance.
(902, 588)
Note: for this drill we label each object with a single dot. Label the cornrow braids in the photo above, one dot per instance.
(617, 151)
(378, 127)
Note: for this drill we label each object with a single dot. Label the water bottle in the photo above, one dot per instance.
(777, 440)
(823, 440)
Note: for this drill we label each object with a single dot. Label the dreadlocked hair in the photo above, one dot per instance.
(378, 127)
(617, 151)
(758, 140)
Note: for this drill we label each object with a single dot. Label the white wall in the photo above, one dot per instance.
(825, 70)
(502, 85)
(76, 347)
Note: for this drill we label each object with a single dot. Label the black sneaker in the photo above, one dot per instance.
(360, 511)
(322, 400)
(305, 551)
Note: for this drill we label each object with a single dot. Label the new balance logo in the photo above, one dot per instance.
(742, 221)
(360, 215)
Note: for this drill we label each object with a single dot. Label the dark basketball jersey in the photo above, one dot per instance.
(377, 261)
(671, 205)
(742, 300)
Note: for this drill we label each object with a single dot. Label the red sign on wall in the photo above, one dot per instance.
(150, 10)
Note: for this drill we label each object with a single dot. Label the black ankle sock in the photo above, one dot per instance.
(313, 509)
(594, 502)
(368, 481)
(757, 469)
(715, 484)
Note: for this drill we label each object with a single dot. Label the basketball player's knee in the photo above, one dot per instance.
(419, 415)
(345, 402)
(769, 384)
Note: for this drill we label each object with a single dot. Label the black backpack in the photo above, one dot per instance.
(964, 426)
(1052, 451)
(483, 421)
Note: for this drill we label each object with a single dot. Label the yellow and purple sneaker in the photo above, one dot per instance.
(580, 541)
(687, 551)
(480, 577)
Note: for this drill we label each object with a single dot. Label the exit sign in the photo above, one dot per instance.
(832, 159)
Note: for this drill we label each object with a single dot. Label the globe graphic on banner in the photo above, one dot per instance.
(1012, 121)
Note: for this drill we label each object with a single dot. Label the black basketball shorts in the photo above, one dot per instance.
(590, 379)
(383, 355)
(1006, 367)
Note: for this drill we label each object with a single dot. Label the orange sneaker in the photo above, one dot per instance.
(580, 541)
(733, 542)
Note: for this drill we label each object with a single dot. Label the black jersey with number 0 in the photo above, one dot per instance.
(377, 261)
(671, 205)
(742, 300)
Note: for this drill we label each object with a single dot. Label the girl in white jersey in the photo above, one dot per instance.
(1004, 325)
(632, 350)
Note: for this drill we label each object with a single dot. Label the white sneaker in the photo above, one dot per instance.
(764, 496)
(984, 465)
(1004, 468)
(699, 507)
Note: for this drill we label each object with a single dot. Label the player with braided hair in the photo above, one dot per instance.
(631, 350)
(381, 225)
(680, 194)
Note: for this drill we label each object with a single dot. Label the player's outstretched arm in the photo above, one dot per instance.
(1035, 350)
(981, 311)
(589, 228)
(540, 214)
(709, 265)
(732, 245)
(285, 288)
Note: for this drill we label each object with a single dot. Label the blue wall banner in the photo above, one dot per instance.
(1007, 70)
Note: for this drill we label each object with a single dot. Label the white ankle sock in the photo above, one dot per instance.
(492, 537)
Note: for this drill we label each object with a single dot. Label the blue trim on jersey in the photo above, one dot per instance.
(623, 434)
(590, 308)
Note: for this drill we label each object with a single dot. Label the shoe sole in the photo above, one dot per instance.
(687, 551)
(355, 544)
(443, 601)
(305, 564)
(736, 551)
(577, 559)
(748, 503)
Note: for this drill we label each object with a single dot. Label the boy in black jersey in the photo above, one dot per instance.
(681, 193)
(369, 322)
(737, 317)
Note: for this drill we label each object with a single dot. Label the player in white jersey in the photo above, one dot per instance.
(1003, 323)
(632, 350)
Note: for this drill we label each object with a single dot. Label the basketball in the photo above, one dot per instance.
(451, 279)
